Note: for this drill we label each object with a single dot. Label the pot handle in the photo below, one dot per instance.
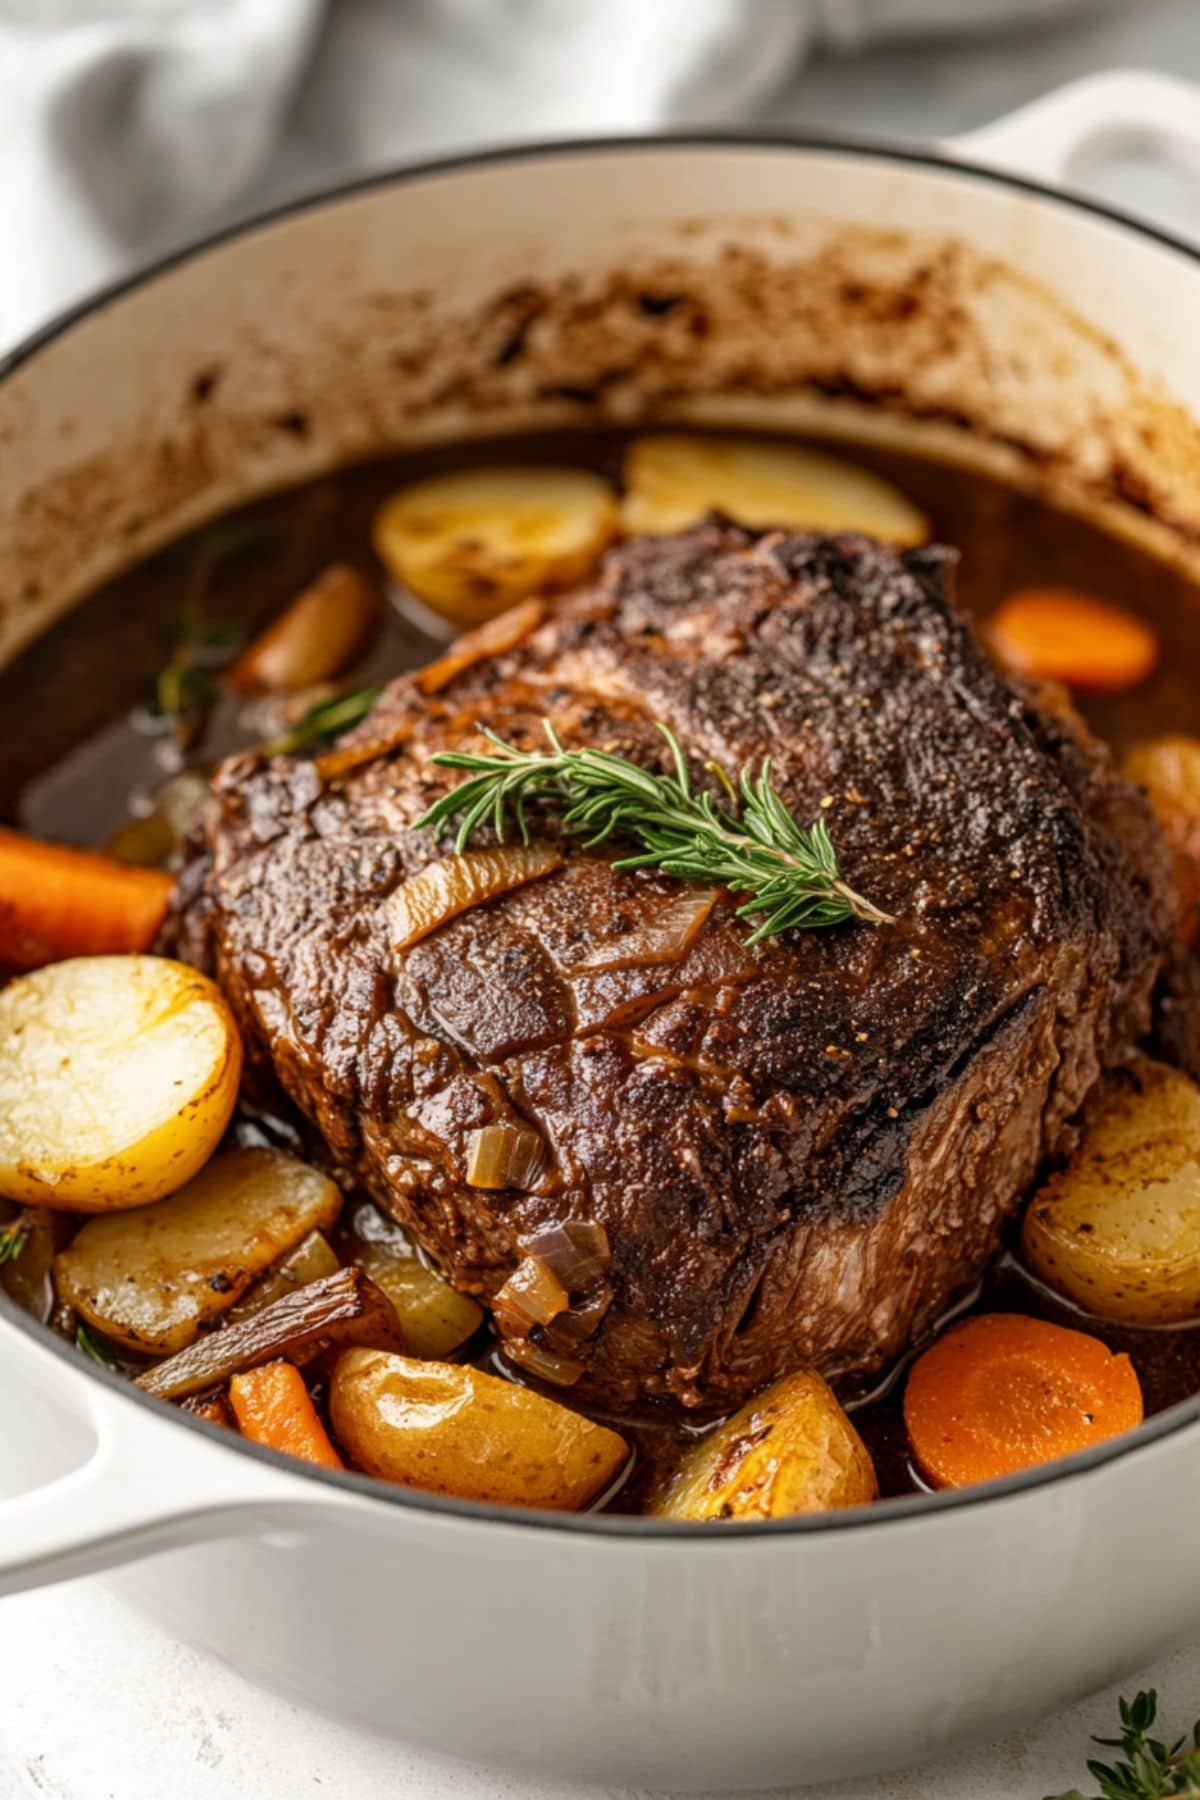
(145, 1485)
(1054, 139)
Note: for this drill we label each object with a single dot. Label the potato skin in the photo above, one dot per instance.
(1168, 768)
(474, 542)
(153, 1278)
(1118, 1230)
(790, 1450)
(451, 1429)
(118, 1076)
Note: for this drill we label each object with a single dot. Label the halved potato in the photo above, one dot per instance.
(674, 478)
(472, 543)
(791, 1450)
(451, 1429)
(1118, 1230)
(118, 1075)
(154, 1278)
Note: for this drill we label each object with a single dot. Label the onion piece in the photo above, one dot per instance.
(581, 1322)
(664, 938)
(322, 632)
(312, 1258)
(545, 1365)
(344, 1308)
(576, 1251)
(443, 889)
(435, 1318)
(532, 1295)
(502, 633)
(503, 1156)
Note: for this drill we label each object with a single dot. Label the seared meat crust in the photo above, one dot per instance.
(801, 1153)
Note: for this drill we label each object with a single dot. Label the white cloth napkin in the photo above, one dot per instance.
(126, 123)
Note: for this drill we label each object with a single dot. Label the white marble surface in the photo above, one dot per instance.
(97, 1705)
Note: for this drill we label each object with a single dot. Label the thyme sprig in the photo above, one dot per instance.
(94, 1346)
(790, 876)
(1151, 1769)
(322, 723)
(13, 1238)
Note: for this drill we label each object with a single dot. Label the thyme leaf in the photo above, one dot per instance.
(95, 1347)
(13, 1238)
(1150, 1769)
(324, 722)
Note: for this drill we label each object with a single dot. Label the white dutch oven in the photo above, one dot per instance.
(857, 288)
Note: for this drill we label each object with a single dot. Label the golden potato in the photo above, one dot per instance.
(790, 1450)
(474, 542)
(450, 1429)
(154, 1278)
(1118, 1230)
(674, 478)
(1169, 770)
(118, 1075)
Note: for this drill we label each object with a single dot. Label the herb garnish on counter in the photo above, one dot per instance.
(1152, 1770)
(790, 877)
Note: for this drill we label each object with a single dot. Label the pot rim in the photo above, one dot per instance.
(908, 1508)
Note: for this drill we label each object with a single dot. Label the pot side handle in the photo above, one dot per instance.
(146, 1483)
(1057, 137)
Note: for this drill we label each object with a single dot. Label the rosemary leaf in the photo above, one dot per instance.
(789, 877)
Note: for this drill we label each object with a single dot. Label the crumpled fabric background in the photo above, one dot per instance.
(125, 124)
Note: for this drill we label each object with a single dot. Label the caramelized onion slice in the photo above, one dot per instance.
(666, 937)
(503, 1156)
(502, 633)
(576, 1251)
(575, 1327)
(532, 1295)
(322, 632)
(343, 1308)
(443, 889)
(544, 1365)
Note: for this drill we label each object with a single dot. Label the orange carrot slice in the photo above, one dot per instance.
(1002, 1392)
(272, 1407)
(57, 902)
(1063, 634)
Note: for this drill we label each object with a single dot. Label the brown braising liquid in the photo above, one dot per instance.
(71, 768)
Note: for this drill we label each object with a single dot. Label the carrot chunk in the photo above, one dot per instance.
(1063, 634)
(57, 902)
(272, 1407)
(1002, 1392)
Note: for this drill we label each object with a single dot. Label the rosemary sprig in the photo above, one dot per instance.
(790, 877)
(13, 1238)
(1152, 1770)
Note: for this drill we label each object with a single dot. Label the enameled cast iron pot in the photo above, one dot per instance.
(794, 283)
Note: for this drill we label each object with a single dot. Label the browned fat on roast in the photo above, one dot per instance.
(799, 1153)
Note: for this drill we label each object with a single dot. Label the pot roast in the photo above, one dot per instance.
(800, 1152)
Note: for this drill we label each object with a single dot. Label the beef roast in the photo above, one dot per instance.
(800, 1152)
